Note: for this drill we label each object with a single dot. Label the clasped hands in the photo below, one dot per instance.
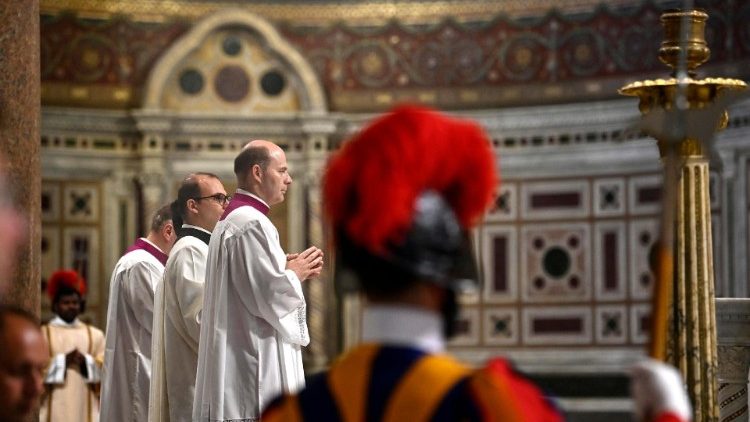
(76, 360)
(306, 264)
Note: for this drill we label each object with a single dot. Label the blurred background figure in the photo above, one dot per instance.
(23, 360)
(77, 352)
(13, 227)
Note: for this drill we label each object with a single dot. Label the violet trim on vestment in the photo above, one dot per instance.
(153, 250)
(242, 200)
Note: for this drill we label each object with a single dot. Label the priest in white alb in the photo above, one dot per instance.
(201, 200)
(76, 352)
(254, 316)
(127, 345)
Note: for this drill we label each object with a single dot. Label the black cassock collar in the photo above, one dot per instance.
(200, 234)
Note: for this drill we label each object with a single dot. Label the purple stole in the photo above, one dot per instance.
(242, 200)
(154, 251)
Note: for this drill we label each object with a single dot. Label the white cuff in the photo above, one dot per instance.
(94, 374)
(56, 370)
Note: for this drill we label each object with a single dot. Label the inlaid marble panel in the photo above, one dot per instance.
(555, 262)
(501, 326)
(555, 200)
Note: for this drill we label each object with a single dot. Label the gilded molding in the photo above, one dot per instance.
(367, 11)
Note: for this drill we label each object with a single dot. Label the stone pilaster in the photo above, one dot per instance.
(321, 306)
(153, 180)
(19, 131)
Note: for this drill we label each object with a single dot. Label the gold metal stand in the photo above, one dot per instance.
(674, 110)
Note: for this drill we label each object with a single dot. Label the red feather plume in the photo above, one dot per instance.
(370, 186)
(69, 278)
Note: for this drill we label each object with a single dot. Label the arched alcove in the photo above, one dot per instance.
(233, 62)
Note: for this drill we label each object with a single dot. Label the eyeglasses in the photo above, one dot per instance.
(218, 197)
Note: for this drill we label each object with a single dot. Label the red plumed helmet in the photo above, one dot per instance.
(68, 278)
(371, 185)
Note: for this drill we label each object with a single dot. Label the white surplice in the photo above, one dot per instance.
(253, 322)
(71, 396)
(177, 311)
(127, 356)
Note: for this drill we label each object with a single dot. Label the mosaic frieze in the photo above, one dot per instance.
(494, 61)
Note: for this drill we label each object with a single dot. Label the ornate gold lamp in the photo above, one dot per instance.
(683, 113)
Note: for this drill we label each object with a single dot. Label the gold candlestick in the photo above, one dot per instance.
(683, 113)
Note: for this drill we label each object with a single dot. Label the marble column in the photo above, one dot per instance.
(19, 130)
(692, 338)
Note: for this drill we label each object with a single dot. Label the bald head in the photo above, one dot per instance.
(22, 364)
(262, 170)
(257, 152)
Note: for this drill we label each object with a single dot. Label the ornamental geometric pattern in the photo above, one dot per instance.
(498, 61)
(568, 262)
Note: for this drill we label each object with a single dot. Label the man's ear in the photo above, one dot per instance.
(168, 230)
(192, 205)
(257, 173)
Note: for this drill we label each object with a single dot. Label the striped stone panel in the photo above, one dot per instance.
(642, 237)
(500, 264)
(559, 325)
(555, 262)
(555, 200)
(500, 326)
(609, 260)
(644, 194)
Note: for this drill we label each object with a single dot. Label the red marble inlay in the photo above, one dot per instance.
(500, 273)
(556, 200)
(649, 195)
(609, 258)
(557, 325)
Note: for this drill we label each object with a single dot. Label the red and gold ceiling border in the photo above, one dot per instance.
(455, 64)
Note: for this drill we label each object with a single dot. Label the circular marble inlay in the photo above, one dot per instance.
(538, 243)
(501, 325)
(191, 81)
(556, 262)
(645, 238)
(539, 283)
(232, 83)
(272, 83)
(645, 279)
(231, 46)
